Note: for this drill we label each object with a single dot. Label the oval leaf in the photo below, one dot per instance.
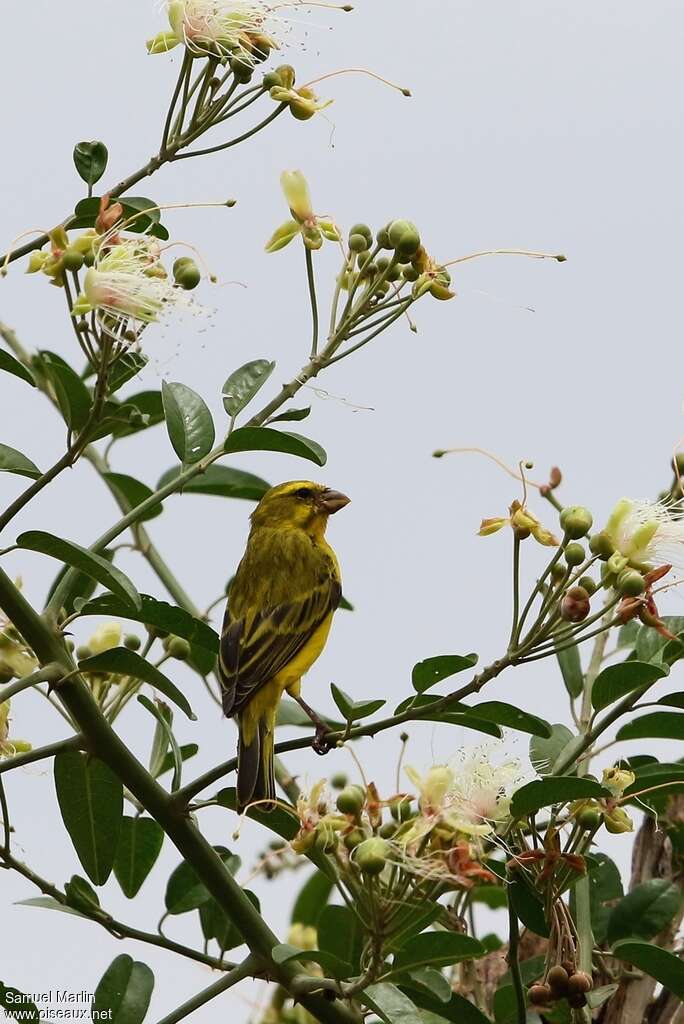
(81, 558)
(123, 993)
(122, 662)
(645, 911)
(665, 967)
(243, 384)
(617, 680)
(184, 890)
(90, 799)
(545, 752)
(12, 461)
(73, 397)
(437, 949)
(133, 492)
(571, 670)
(263, 439)
(512, 717)
(391, 1004)
(354, 709)
(545, 792)
(664, 725)
(90, 160)
(18, 1005)
(313, 896)
(140, 843)
(158, 615)
(431, 671)
(222, 481)
(188, 421)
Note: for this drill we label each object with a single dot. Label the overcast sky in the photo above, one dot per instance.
(544, 125)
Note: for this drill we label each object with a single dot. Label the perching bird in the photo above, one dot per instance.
(279, 612)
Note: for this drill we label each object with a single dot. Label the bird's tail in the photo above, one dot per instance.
(255, 773)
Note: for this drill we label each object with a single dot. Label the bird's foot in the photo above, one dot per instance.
(321, 742)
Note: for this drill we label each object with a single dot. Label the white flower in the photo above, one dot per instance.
(470, 796)
(647, 533)
(105, 637)
(127, 285)
(245, 29)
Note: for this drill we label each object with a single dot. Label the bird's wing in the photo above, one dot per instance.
(253, 652)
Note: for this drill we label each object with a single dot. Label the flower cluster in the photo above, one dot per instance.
(239, 29)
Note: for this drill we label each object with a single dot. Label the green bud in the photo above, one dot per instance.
(326, 838)
(576, 521)
(354, 838)
(410, 273)
(401, 808)
(608, 578)
(351, 800)
(241, 69)
(382, 262)
(616, 563)
(601, 544)
(338, 781)
(574, 554)
(383, 239)
(408, 244)
(630, 583)
(362, 229)
(132, 642)
(589, 584)
(186, 273)
(397, 229)
(371, 855)
(177, 647)
(358, 242)
(388, 829)
(83, 652)
(72, 259)
(589, 819)
(557, 571)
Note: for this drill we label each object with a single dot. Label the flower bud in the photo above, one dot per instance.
(574, 554)
(383, 239)
(354, 838)
(177, 647)
(338, 781)
(601, 544)
(326, 837)
(186, 273)
(569, 966)
(362, 229)
(371, 856)
(401, 808)
(557, 979)
(589, 818)
(577, 1000)
(580, 982)
(36, 262)
(397, 229)
(83, 652)
(558, 571)
(539, 995)
(388, 829)
(72, 259)
(132, 642)
(588, 584)
(618, 821)
(576, 521)
(351, 800)
(105, 637)
(358, 243)
(575, 605)
(297, 195)
(630, 583)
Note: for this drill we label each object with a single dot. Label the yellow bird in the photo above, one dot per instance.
(280, 608)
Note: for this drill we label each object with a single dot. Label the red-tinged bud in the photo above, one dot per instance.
(557, 979)
(575, 605)
(580, 982)
(108, 215)
(539, 995)
(555, 478)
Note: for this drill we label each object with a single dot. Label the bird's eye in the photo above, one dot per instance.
(304, 492)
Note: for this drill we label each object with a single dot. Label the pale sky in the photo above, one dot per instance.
(544, 125)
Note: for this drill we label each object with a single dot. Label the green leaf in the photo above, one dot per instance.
(164, 716)
(140, 843)
(290, 713)
(291, 415)
(149, 221)
(531, 970)
(48, 903)
(80, 895)
(185, 891)
(433, 981)
(244, 383)
(90, 800)
(284, 823)
(124, 991)
(431, 671)
(662, 778)
(149, 409)
(598, 996)
(82, 588)
(328, 961)
(571, 670)
(436, 949)
(605, 887)
(188, 421)
(263, 439)
(390, 1004)
(339, 933)
(413, 916)
(645, 911)
(158, 615)
(492, 896)
(528, 906)
(512, 717)
(672, 700)
(73, 397)
(650, 644)
(217, 925)
(87, 561)
(658, 963)
(18, 1005)
(553, 790)
(11, 365)
(456, 717)
(12, 461)
(664, 725)
(133, 492)
(122, 662)
(617, 680)
(458, 1010)
(90, 160)
(312, 898)
(627, 634)
(545, 752)
(221, 481)
(353, 710)
(187, 750)
(126, 366)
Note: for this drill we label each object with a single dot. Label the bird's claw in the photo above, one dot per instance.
(320, 743)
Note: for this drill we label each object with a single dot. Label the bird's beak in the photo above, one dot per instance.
(332, 501)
